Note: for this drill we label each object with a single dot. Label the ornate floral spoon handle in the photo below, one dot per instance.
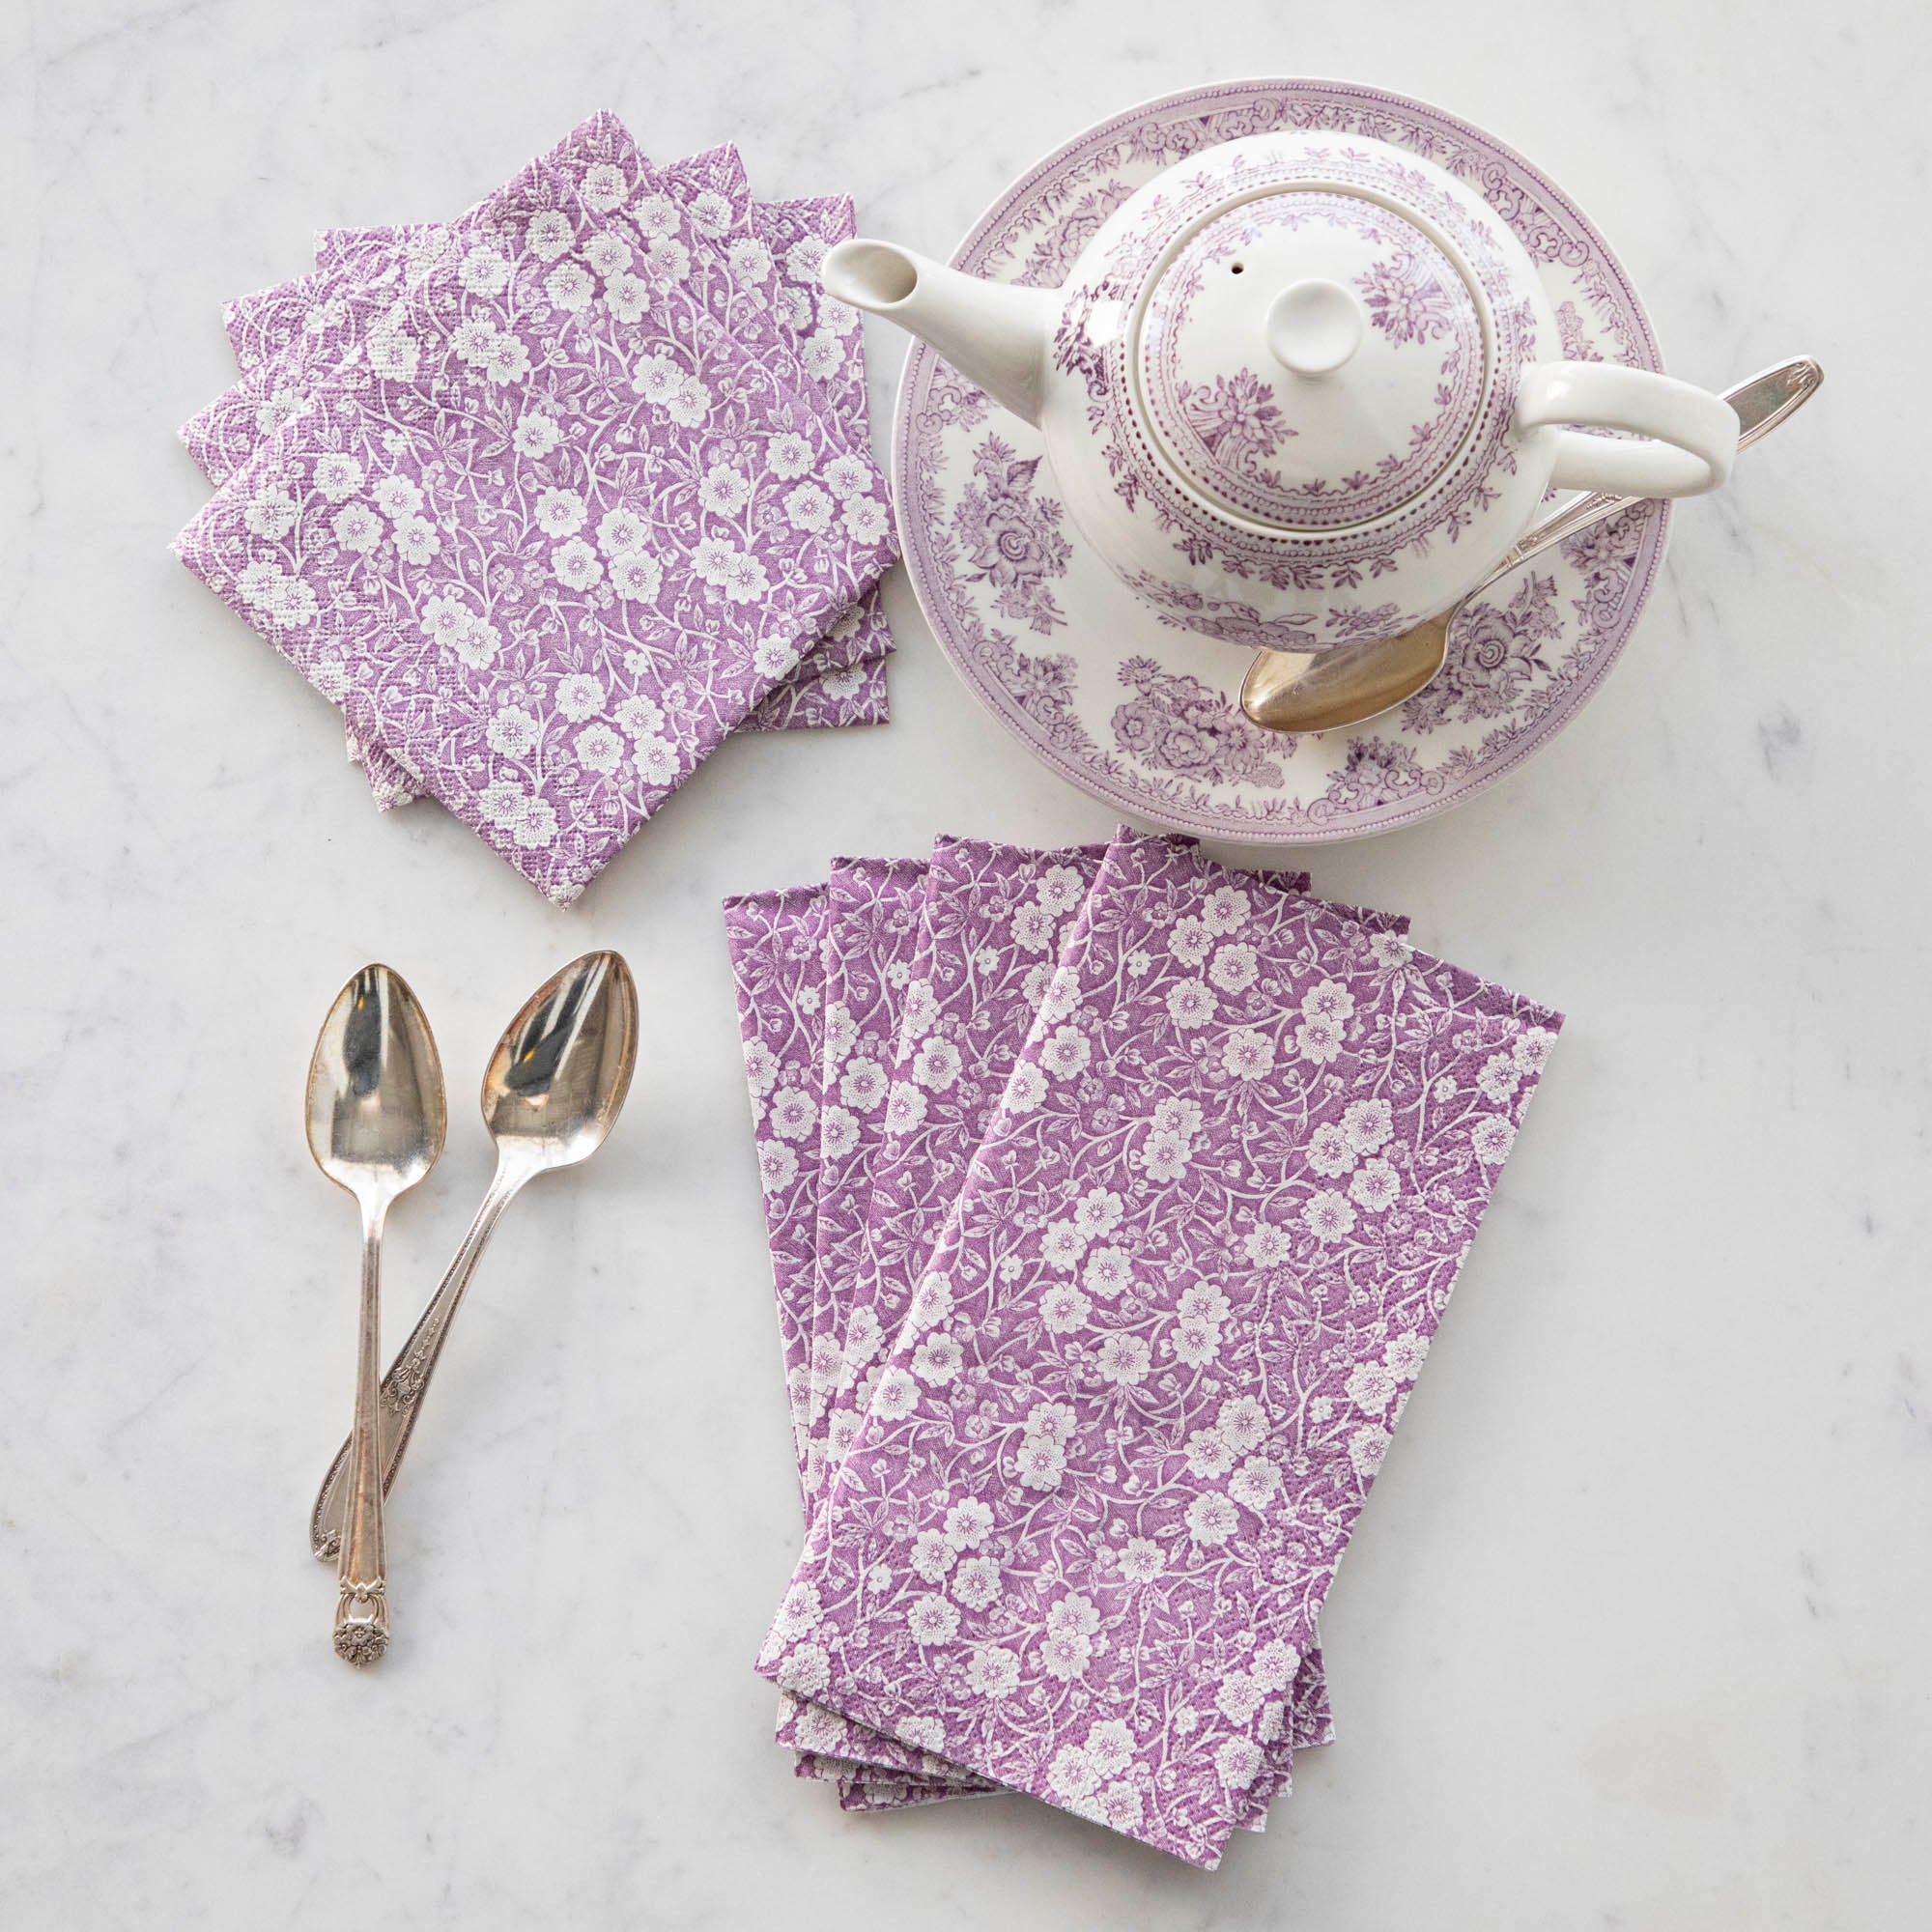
(362, 1604)
(408, 1376)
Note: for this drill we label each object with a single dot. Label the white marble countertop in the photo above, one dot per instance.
(1635, 1632)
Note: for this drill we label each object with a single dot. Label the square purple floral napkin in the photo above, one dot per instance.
(541, 557)
(742, 262)
(1082, 1539)
(688, 244)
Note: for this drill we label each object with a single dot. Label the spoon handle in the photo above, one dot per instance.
(1761, 402)
(407, 1380)
(1340, 689)
(362, 1606)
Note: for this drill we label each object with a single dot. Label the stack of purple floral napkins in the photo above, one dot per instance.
(550, 498)
(1113, 1196)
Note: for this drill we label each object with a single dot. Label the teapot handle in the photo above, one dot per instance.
(1691, 436)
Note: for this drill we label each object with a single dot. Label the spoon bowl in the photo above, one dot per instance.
(560, 1074)
(375, 1110)
(1287, 692)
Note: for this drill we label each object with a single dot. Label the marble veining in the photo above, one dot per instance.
(1632, 1635)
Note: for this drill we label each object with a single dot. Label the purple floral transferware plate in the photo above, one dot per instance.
(1147, 717)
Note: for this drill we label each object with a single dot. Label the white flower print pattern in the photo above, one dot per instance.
(871, 920)
(845, 683)
(1220, 1256)
(472, 278)
(975, 971)
(774, 940)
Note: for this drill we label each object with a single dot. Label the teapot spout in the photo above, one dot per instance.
(994, 333)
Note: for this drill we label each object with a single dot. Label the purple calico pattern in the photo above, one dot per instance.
(810, 700)
(866, 1788)
(832, 348)
(550, 657)
(265, 321)
(754, 270)
(829, 340)
(992, 920)
(774, 941)
(269, 324)
(990, 929)
(871, 932)
(1145, 1382)
(814, 700)
(745, 262)
(995, 917)
(992, 924)
(307, 329)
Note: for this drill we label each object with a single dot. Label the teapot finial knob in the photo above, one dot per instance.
(1314, 326)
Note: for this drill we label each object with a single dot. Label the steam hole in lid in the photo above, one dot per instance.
(1236, 269)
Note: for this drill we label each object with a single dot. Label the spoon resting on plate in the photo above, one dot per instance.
(1328, 691)
(554, 1087)
(376, 1119)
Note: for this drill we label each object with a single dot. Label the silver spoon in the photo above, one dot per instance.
(1326, 691)
(552, 1089)
(376, 1122)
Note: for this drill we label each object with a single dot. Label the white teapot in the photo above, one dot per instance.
(1302, 389)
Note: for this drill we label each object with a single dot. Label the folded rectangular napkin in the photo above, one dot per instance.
(991, 919)
(994, 918)
(871, 931)
(775, 942)
(933, 1109)
(543, 556)
(1081, 1540)
(776, 970)
(984, 906)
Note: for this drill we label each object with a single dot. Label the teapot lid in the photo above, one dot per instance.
(1311, 360)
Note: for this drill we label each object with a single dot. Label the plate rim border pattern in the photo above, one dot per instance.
(1394, 815)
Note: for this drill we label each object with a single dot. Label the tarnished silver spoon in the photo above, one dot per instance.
(554, 1087)
(1328, 691)
(376, 1122)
